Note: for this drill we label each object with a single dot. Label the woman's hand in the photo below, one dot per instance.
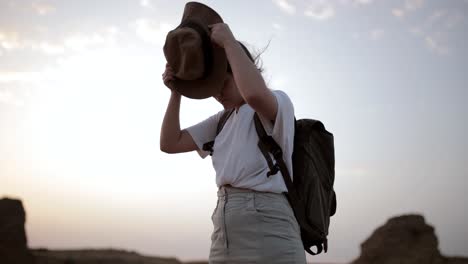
(221, 34)
(168, 77)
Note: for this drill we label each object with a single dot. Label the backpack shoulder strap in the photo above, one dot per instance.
(222, 121)
(268, 145)
(265, 146)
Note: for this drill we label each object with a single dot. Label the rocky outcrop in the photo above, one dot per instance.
(405, 239)
(13, 243)
(98, 256)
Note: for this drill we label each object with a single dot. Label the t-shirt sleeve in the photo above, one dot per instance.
(282, 130)
(204, 131)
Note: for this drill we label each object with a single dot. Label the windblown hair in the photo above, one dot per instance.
(255, 60)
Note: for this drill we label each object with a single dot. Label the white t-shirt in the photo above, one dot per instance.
(237, 159)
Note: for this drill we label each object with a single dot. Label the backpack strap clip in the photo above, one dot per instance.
(222, 121)
(273, 170)
(209, 147)
(268, 145)
(265, 148)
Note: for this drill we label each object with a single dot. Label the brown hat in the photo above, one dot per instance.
(199, 65)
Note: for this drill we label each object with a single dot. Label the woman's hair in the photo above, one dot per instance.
(255, 60)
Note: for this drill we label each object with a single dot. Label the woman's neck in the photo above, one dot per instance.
(239, 106)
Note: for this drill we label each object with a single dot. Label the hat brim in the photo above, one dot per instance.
(210, 85)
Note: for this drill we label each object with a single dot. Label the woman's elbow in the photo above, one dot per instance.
(253, 99)
(165, 148)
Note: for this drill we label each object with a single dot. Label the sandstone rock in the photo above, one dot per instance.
(405, 239)
(13, 243)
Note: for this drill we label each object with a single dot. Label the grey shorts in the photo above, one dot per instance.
(254, 227)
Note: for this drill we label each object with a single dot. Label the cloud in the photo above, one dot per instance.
(42, 8)
(363, 2)
(76, 42)
(437, 28)
(277, 26)
(436, 43)
(81, 42)
(50, 48)
(416, 31)
(354, 2)
(320, 11)
(454, 20)
(398, 12)
(15, 87)
(408, 7)
(10, 40)
(411, 5)
(8, 77)
(376, 34)
(317, 9)
(285, 6)
(8, 97)
(151, 31)
(147, 4)
(447, 19)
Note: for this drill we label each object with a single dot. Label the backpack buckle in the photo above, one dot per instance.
(277, 153)
(273, 170)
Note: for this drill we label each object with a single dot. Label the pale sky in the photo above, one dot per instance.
(82, 101)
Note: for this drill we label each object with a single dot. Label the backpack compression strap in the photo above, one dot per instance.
(222, 121)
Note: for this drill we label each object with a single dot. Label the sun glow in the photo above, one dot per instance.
(91, 122)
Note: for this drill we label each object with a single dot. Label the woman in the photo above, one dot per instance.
(253, 221)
